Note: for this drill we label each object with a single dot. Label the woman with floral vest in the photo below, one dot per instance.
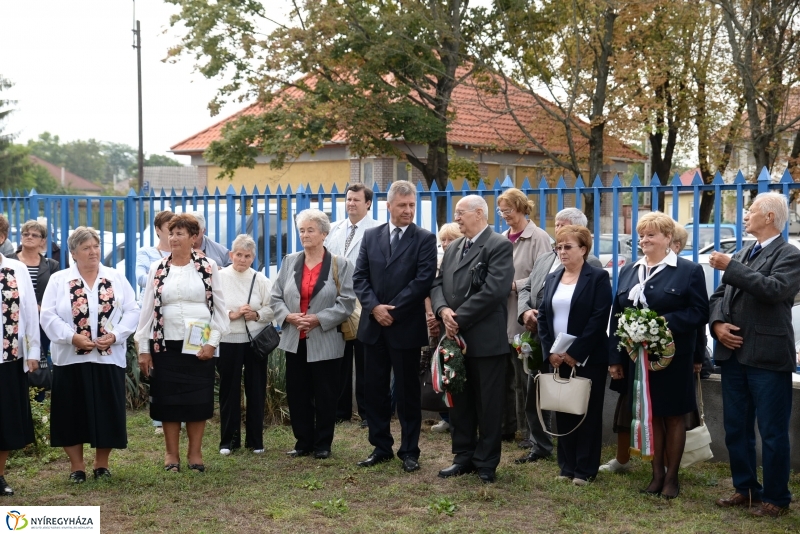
(183, 319)
(88, 312)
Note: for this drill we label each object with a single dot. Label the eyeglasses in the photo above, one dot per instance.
(459, 213)
(560, 248)
(31, 234)
(505, 213)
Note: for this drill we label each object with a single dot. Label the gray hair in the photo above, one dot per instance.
(201, 220)
(80, 235)
(476, 202)
(573, 215)
(777, 204)
(319, 217)
(245, 242)
(402, 188)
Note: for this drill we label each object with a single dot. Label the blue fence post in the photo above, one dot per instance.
(130, 237)
(764, 180)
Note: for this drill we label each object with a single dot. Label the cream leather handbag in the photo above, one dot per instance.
(570, 395)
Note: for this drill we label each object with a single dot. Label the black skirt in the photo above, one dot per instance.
(181, 386)
(88, 406)
(16, 424)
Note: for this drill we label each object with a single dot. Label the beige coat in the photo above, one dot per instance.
(533, 242)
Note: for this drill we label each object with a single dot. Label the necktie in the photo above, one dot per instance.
(755, 251)
(349, 237)
(395, 241)
(466, 248)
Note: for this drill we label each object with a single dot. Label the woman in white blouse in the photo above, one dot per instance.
(88, 312)
(20, 354)
(183, 319)
(247, 295)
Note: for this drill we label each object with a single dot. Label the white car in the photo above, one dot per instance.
(726, 246)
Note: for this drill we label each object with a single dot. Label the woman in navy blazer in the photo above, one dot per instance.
(676, 289)
(577, 301)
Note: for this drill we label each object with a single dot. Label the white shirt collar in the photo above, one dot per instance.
(392, 227)
(670, 259)
(768, 241)
(476, 236)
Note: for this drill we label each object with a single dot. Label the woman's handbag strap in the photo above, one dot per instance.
(539, 410)
(250, 294)
(700, 400)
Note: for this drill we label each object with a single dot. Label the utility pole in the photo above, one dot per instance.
(137, 44)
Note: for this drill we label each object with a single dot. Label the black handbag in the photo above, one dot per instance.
(42, 377)
(266, 340)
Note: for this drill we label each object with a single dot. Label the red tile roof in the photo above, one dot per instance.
(481, 120)
(686, 177)
(71, 180)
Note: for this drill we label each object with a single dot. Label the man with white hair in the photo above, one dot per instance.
(470, 296)
(212, 249)
(751, 319)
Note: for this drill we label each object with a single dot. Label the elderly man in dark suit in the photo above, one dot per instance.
(529, 299)
(394, 272)
(751, 318)
(478, 311)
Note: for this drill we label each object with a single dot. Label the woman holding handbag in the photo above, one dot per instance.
(577, 300)
(675, 289)
(309, 306)
(247, 295)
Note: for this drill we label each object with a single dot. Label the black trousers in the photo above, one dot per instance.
(379, 361)
(312, 390)
(477, 412)
(353, 352)
(232, 358)
(579, 453)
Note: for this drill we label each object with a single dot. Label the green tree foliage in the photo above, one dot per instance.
(87, 159)
(157, 160)
(376, 72)
(13, 162)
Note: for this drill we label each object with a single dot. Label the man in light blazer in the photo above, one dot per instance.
(751, 318)
(474, 305)
(394, 272)
(345, 240)
(529, 299)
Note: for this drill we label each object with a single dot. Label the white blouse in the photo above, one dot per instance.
(183, 297)
(58, 324)
(562, 299)
(28, 332)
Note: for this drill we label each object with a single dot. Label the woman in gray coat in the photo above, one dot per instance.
(309, 307)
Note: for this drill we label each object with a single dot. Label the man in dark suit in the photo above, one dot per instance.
(751, 318)
(529, 299)
(476, 309)
(394, 272)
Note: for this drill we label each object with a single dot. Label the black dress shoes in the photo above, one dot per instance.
(456, 470)
(101, 472)
(297, 452)
(322, 455)
(374, 459)
(363, 424)
(5, 489)
(77, 477)
(486, 474)
(410, 465)
(529, 458)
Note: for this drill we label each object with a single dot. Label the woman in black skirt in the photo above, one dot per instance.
(20, 353)
(183, 319)
(88, 312)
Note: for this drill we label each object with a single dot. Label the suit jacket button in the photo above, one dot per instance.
(452, 296)
(651, 287)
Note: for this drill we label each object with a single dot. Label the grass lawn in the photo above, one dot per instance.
(246, 493)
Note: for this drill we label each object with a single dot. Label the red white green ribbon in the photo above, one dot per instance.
(642, 443)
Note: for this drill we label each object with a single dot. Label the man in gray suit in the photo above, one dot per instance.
(470, 296)
(345, 240)
(529, 299)
(210, 248)
(751, 318)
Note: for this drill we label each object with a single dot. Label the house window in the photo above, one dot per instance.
(403, 170)
(507, 171)
(367, 174)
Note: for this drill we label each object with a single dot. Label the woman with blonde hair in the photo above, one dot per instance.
(675, 288)
(529, 242)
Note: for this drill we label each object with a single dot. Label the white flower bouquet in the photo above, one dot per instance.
(645, 329)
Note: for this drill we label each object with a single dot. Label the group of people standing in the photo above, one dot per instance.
(192, 310)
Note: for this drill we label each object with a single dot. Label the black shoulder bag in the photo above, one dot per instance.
(266, 340)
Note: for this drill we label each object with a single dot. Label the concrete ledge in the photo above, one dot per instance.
(712, 399)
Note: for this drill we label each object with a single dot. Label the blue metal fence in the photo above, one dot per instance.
(125, 222)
